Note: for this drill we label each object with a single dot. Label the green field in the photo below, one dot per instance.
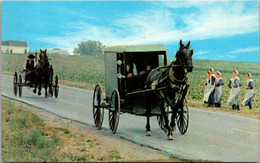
(86, 71)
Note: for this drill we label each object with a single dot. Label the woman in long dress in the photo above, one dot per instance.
(249, 95)
(235, 91)
(209, 89)
(218, 89)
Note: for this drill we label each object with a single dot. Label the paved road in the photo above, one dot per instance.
(211, 135)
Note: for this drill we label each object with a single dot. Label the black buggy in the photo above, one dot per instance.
(19, 83)
(125, 94)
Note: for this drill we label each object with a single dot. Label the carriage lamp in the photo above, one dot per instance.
(120, 76)
(119, 62)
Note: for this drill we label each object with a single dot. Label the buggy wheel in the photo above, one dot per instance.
(50, 85)
(51, 90)
(15, 84)
(161, 120)
(56, 86)
(98, 110)
(183, 117)
(20, 85)
(114, 111)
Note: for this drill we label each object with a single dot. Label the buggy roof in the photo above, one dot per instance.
(134, 48)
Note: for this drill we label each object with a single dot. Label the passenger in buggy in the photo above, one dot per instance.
(148, 69)
(137, 82)
(141, 78)
(130, 67)
(28, 67)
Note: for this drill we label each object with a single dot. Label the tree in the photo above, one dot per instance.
(93, 48)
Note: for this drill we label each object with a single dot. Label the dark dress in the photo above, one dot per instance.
(218, 91)
(211, 96)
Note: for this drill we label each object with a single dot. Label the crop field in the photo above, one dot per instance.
(80, 70)
(87, 71)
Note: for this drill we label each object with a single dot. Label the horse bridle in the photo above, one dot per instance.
(170, 67)
(182, 63)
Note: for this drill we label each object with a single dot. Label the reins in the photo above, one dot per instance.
(181, 64)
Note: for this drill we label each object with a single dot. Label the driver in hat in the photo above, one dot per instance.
(28, 67)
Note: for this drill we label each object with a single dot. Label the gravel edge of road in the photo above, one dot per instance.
(158, 151)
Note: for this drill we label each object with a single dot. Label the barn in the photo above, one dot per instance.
(15, 47)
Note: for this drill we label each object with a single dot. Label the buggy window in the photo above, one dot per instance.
(161, 60)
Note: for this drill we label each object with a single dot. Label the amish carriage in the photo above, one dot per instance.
(18, 83)
(125, 94)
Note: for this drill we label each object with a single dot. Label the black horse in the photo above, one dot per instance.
(171, 77)
(43, 74)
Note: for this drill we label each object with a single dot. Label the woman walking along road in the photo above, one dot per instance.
(249, 95)
(235, 91)
(210, 87)
(218, 89)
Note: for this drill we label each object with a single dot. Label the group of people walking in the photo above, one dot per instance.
(213, 90)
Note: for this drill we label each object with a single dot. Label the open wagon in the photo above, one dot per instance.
(124, 94)
(19, 83)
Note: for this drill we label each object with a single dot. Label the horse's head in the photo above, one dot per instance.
(43, 58)
(43, 55)
(184, 56)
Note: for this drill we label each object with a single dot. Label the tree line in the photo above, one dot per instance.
(91, 48)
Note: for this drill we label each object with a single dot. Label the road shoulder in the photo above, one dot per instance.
(98, 145)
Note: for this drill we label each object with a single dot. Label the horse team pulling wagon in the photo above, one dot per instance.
(132, 87)
(41, 76)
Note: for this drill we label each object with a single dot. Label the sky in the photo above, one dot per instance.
(218, 30)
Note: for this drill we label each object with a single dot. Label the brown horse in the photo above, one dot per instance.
(43, 74)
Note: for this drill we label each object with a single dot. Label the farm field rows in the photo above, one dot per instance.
(87, 71)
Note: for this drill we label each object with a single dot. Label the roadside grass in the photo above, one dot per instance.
(24, 136)
(115, 154)
(28, 138)
(244, 111)
(87, 71)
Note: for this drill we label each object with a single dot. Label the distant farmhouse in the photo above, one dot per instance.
(18, 47)
(58, 51)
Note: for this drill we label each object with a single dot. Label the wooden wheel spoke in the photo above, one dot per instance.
(181, 127)
(111, 121)
(183, 124)
(114, 111)
(95, 116)
(15, 84)
(183, 117)
(98, 111)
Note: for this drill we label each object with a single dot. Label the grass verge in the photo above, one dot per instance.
(28, 138)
